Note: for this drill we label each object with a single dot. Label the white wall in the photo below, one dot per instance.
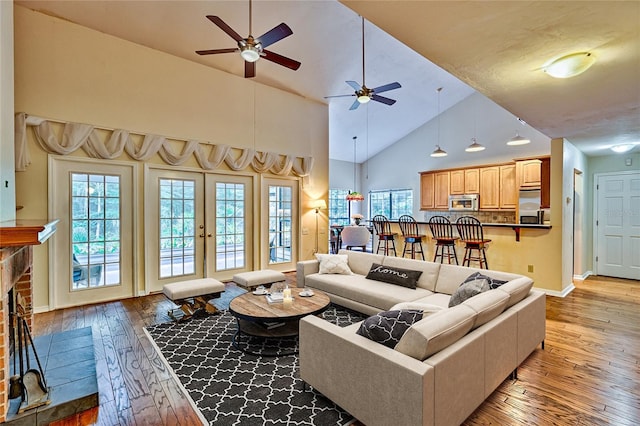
(7, 169)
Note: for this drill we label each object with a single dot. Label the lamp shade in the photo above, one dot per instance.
(439, 152)
(319, 204)
(355, 196)
(518, 140)
(570, 65)
(475, 146)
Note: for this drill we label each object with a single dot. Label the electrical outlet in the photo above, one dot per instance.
(530, 268)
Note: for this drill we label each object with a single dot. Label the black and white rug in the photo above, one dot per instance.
(230, 387)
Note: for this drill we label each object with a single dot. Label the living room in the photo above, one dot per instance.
(73, 74)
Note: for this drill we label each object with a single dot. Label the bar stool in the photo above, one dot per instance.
(409, 229)
(470, 231)
(383, 229)
(442, 233)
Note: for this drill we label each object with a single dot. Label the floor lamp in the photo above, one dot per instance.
(318, 205)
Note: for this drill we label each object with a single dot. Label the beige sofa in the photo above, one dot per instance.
(444, 366)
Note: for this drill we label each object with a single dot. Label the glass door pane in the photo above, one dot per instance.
(230, 226)
(177, 234)
(280, 233)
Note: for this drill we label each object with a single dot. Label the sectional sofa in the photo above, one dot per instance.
(444, 365)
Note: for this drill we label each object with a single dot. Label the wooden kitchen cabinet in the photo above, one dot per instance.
(427, 193)
(528, 172)
(457, 182)
(545, 183)
(490, 188)
(508, 189)
(441, 190)
(472, 181)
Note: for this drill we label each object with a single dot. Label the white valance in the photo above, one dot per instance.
(92, 141)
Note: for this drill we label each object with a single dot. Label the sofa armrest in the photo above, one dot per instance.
(304, 268)
(374, 383)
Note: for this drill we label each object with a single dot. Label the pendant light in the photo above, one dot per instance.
(517, 139)
(439, 152)
(475, 146)
(354, 195)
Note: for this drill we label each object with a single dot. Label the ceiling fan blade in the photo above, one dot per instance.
(383, 99)
(281, 60)
(216, 51)
(275, 34)
(386, 87)
(354, 105)
(249, 69)
(354, 84)
(339, 96)
(224, 27)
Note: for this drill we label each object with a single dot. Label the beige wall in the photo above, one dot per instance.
(71, 73)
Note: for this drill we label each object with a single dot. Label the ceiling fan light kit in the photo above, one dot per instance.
(569, 65)
(249, 53)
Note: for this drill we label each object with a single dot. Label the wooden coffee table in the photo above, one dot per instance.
(257, 317)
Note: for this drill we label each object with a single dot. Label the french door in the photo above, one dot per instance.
(280, 218)
(196, 225)
(91, 255)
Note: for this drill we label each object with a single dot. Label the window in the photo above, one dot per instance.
(392, 203)
(338, 207)
(230, 231)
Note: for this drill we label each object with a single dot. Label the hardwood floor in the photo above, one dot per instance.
(588, 373)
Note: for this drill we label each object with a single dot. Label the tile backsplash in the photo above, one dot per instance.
(483, 216)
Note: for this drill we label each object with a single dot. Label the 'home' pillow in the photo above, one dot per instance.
(474, 284)
(393, 275)
(388, 327)
(334, 264)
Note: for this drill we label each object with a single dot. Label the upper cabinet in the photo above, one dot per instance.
(545, 183)
(508, 190)
(472, 181)
(456, 182)
(434, 190)
(427, 194)
(528, 172)
(442, 190)
(490, 188)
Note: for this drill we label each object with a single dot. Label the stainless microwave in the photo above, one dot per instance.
(468, 202)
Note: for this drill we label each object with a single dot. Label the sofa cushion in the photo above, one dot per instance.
(393, 275)
(360, 262)
(517, 289)
(333, 264)
(436, 332)
(426, 308)
(372, 293)
(429, 270)
(388, 327)
(474, 284)
(451, 276)
(487, 305)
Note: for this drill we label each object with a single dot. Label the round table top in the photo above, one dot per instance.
(253, 307)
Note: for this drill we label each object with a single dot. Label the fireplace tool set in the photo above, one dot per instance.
(30, 385)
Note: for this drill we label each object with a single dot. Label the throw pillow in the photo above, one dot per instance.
(392, 275)
(334, 264)
(474, 284)
(388, 327)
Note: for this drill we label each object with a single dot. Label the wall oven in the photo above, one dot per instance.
(468, 202)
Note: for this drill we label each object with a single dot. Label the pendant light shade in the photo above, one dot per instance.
(475, 146)
(439, 152)
(517, 140)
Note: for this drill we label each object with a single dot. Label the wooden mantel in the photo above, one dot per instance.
(26, 232)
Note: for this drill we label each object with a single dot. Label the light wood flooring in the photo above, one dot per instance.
(588, 373)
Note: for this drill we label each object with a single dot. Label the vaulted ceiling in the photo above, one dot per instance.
(496, 48)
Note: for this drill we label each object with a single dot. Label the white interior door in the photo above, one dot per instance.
(175, 230)
(230, 213)
(92, 255)
(617, 242)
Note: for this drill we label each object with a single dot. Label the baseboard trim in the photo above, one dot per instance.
(41, 309)
(564, 293)
(583, 276)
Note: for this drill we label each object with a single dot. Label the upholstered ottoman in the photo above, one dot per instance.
(250, 280)
(193, 296)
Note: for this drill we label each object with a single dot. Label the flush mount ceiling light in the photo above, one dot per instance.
(475, 146)
(518, 140)
(622, 148)
(569, 65)
(439, 152)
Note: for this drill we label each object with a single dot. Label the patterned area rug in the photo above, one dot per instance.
(230, 387)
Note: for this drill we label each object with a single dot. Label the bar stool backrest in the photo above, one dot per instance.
(408, 225)
(440, 227)
(381, 224)
(469, 229)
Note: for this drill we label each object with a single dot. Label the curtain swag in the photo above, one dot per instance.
(84, 136)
